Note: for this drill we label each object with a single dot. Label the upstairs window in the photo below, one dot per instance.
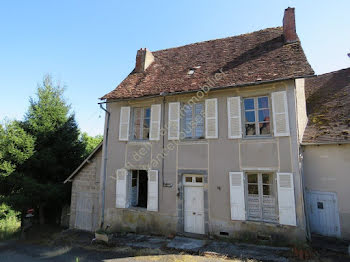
(193, 121)
(257, 116)
(141, 123)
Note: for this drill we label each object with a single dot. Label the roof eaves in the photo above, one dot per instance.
(212, 89)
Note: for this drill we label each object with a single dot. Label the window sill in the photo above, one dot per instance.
(137, 209)
(139, 142)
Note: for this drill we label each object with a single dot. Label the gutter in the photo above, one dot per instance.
(104, 170)
(211, 89)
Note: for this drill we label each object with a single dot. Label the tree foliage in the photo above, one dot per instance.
(46, 149)
(90, 142)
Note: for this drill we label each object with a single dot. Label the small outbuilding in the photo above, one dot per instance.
(85, 206)
(326, 152)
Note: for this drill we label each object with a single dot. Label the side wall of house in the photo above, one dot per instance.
(213, 157)
(85, 191)
(327, 169)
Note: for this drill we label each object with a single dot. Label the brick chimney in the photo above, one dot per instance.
(289, 32)
(144, 58)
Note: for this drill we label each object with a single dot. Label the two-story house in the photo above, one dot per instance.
(205, 139)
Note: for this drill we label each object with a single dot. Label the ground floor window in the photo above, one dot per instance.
(261, 197)
(139, 190)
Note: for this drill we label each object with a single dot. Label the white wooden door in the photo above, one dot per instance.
(193, 204)
(322, 208)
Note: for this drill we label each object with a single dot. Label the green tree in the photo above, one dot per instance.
(16, 146)
(90, 142)
(58, 151)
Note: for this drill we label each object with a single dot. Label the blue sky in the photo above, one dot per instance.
(90, 46)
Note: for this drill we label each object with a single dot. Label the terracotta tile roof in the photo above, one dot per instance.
(248, 58)
(328, 108)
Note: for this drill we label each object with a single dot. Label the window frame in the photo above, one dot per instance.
(261, 194)
(132, 118)
(182, 121)
(256, 115)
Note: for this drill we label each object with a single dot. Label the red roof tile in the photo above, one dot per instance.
(248, 58)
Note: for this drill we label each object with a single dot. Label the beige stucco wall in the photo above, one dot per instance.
(87, 180)
(327, 168)
(216, 157)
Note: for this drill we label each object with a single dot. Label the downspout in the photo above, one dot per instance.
(104, 171)
(307, 220)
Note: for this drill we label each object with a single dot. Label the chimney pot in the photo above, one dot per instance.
(144, 58)
(289, 31)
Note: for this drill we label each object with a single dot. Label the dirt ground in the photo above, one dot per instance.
(53, 244)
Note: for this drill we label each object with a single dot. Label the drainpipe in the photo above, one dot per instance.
(104, 171)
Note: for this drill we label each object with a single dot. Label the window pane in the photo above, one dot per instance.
(249, 103)
(188, 179)
(264, 128)
(253, 189)
(266, 190)
(263, 102)
(137, 123)
(148, 112)
(250, 116)
(264, 115)
(199, 120)
(267, 178)
(187, 121)
(252, 178)
(250, 129)
(199, 179)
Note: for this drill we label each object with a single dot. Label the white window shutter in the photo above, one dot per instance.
(152, 199)
(280, 113)
(121, 188)
(286, 201)
(237, 196)
(234, 117)
(211, 118)
(174, 121)
(154, 133)
(124, 123)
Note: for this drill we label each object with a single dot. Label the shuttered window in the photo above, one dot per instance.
(257, 116)
(193, 121)
(261, 197)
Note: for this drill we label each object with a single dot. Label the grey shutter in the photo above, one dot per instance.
(174, 121)
(280, 113)
(124, 123)
(234, 117)
(152, 199)
(286, 199)
(211, 118)
(121, 188)
(237, 201)
(154, 133)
